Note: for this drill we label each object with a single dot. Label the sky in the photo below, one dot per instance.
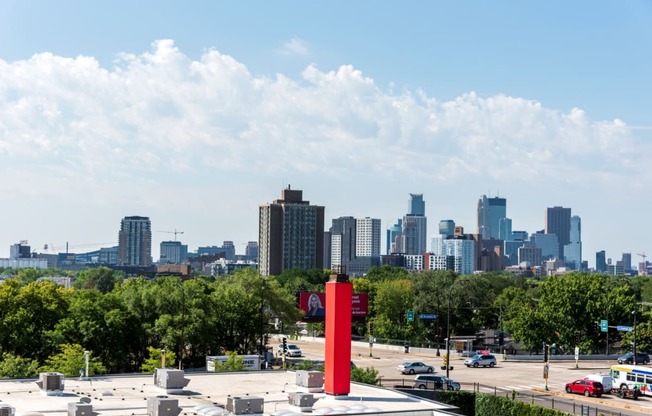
(195, 113)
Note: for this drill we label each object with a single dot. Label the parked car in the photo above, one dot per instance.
(481, 360)
(413, 367)
(641, 358)
(605, 379)
(435, 381)
(585, 387)
(291, 350)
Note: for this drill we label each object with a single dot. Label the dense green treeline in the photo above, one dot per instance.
(44, 326)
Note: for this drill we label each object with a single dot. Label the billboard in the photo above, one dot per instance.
(313, 305)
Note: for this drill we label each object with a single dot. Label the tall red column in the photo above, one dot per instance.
(337, 358)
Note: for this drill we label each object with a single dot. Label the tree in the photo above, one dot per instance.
(393, 298)
(233, 363)
(71, 360)
(13, 366)
(154, 360)
(367, 375)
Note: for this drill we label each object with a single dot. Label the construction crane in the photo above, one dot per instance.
(642, 255)
(51, 248)
(175, 232)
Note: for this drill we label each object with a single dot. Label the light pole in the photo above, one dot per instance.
(448, 324)
(634, 358)
(183, 322)
(262, 326)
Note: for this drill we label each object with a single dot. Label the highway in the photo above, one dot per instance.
(524, 377)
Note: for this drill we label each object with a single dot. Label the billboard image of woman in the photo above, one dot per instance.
(315, 307)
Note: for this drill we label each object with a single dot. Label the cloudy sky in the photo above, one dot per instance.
(195, 113)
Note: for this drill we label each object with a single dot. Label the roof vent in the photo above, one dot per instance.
(51, 384)
(245, 405)
(80, 409)
(6, 410)
(162, 406)
(170, 380)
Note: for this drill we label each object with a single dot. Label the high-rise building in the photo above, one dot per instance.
(415, 227)
(173, 252)
(367, 241)
(394, 237)
(490, 212)
(343, 241)
(416, 205)
(627, 262)
(548, 243)
(135, 242)
(447, 228)
(505, 229)
(20, 251)
(291, 234)
(251, 250)
(355, 244)
(573, 250)
(558, 222)
(601, 261)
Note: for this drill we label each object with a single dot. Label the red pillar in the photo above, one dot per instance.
(337, 358)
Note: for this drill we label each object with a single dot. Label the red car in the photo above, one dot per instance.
(585, 387)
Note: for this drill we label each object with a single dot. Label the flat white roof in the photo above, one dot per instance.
(124, 395)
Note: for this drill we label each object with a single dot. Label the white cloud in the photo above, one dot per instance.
(295, 46)
(160, 122)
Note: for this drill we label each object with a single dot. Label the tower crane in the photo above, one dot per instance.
(175, 232)
(642, 255)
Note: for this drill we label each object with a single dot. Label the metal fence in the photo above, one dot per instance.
(538, 399)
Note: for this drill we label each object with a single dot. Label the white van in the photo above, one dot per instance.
(605, 379)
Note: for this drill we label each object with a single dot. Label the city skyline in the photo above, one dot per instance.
(202, 114)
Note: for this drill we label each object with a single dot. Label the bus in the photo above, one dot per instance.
(632, 376)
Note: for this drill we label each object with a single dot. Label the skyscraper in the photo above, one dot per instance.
(173, 252)
(416, 205)
(573, 250)
(447, 228)
(490, 212)
(135, 242)
(291, 234)
(343, 241)
(558, 222)
(415, 226)
(601, 261)
(367, 240)
(394, 237)
(355, 244)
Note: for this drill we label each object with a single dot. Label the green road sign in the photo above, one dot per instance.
(604, 325)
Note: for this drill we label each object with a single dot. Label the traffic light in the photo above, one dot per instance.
(445, 360)
(401, 316)
(501, 339)
(545, 352)
(577, 338)
(371, 328)
(280, 327)
(266, 339)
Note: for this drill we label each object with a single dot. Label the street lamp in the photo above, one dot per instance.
(448, 324)
(183, 322)
(634, 358)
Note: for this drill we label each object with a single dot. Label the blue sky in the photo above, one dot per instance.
(194, 113)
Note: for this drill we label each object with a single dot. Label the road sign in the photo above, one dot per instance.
(410, 316)
(604, 325)
(624, 328)
(428, 316)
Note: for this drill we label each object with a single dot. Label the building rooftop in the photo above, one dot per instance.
(125, 395)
